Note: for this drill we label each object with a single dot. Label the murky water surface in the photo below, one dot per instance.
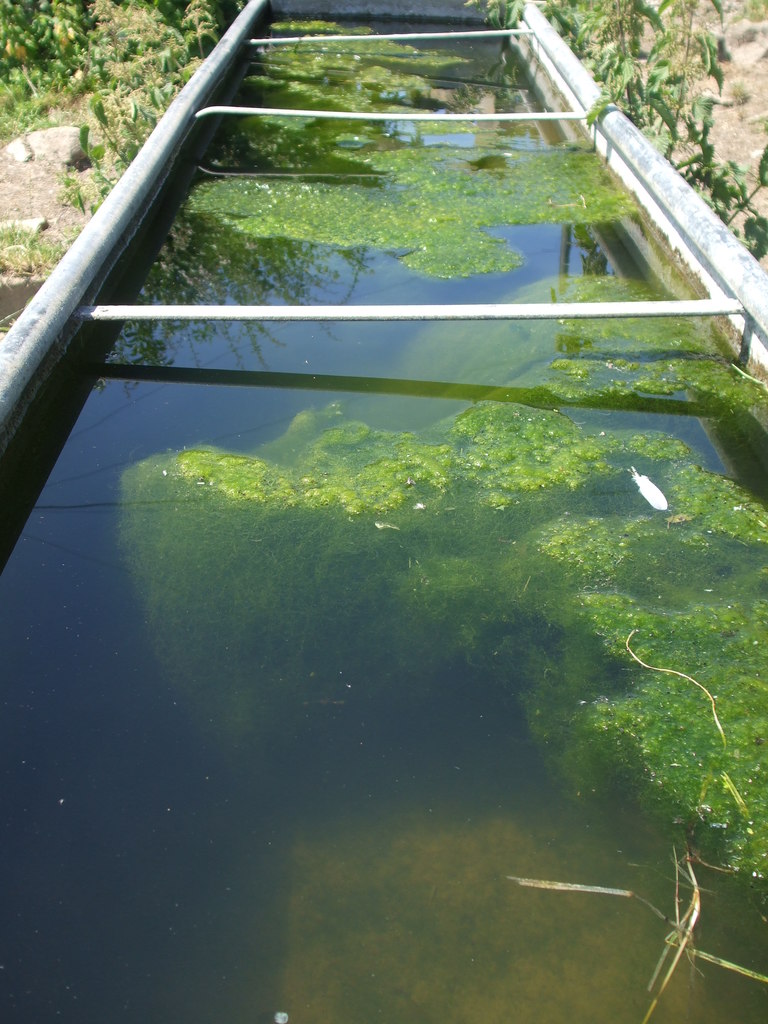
(282, 713)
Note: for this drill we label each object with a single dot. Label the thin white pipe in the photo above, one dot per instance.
(392, 37)
(393, 115)
(491, 311)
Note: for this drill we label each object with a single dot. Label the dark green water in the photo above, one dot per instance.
(298, 669)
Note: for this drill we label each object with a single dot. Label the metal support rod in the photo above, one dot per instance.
(491, 311)
(390, 115)
(392, 37)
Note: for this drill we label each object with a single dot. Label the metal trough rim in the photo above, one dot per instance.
(38, 340)
(691, 229)
(435, 312)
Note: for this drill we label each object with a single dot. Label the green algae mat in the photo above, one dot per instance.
(427, 193)
(346, 562)
(343, 563)
(535, 189)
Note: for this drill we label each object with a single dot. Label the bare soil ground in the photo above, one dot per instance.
(741, 119)
(34, 189)
(31, 190)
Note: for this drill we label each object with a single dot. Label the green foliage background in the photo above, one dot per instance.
(131, 56)
(112, 66)
(44, 42)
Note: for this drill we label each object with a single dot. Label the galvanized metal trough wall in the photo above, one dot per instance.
(725, 271)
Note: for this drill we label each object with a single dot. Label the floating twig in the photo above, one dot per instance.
(542, 883)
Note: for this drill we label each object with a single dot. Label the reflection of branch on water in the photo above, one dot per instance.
(206, 260)
(680, 939)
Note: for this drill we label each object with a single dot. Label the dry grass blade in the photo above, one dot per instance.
(680, 937)
(729, 785)
(604, 890)
(680, 675)
(730, 966)
(678, 940)
(542, 883)
(748, 376)
(667, 941)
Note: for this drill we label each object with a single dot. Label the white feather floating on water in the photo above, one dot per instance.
(649, 490)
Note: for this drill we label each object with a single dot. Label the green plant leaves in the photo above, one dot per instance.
(97, 108)
(762, 169)
(756, 234)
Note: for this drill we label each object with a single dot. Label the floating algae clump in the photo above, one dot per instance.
(499, 453)
(693, 587)
(427, 207)
(625, 357)
(411, 190)
(342, 565)
(266, 574)
(336, 472)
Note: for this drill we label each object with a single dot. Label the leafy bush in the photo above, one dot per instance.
(130, 58)
(661, 90)
(43, 39)
(133, 55)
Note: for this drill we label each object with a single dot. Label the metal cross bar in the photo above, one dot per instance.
(392, 37)
(491, 311)
(392, 115)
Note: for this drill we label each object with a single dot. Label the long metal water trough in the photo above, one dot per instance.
(731, 281)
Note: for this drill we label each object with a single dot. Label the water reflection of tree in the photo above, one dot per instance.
(584, 238)
(207, 261)
(286, 146)
(593, 259)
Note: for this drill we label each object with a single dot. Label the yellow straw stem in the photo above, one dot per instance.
(604, 890)
(541, 883)
(680, 675)
(730, 966)
(680, 937)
